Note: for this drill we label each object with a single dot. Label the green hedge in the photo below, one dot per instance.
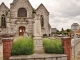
(22, 46)
(52, 46)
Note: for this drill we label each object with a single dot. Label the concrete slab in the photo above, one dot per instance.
(39, 57)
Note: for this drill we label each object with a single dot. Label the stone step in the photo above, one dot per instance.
(40, 57)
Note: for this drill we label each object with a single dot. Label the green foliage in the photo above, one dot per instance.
(66, 33)
(58, 32)
(22, 46)
(52, 46)
(68, 30)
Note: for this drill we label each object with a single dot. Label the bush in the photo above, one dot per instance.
(22, 46)
(52, 46)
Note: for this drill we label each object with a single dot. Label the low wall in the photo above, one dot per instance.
(40, 57)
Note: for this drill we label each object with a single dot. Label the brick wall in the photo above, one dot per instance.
(7, 45)
(66, 41)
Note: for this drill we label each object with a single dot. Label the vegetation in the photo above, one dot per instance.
(52, 46)
(64, 32)
(68, 30)
(22, 46)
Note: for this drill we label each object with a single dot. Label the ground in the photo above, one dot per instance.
(1, 52)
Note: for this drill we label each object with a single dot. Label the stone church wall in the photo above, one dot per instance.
(21, 4)
(12, 18)
(43, 12)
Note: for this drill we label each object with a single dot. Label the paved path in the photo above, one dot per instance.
(1, 52)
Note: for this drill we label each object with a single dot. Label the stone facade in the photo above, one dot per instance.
(15, 22)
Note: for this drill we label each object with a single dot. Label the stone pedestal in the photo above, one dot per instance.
(38, 46)
(66, 41)
(7, 45)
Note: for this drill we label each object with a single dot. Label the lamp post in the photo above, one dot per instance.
(75, 28)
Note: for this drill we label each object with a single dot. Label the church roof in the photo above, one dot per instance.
(41, 5)
(3, 4)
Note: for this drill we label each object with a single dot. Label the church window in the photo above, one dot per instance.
(22, 12)
(3, 21)
(42, 21)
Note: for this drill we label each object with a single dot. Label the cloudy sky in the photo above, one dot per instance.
(63, 13)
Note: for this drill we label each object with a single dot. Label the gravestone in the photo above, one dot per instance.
(38, 47)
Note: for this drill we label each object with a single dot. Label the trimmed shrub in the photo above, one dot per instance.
(52, 46)
(22, 46)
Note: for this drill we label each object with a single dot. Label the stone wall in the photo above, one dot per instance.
(77, 47)
(21, 4)
(20, 22)
(43, 11)
(11, 17)
(3, 10)
(40, 57)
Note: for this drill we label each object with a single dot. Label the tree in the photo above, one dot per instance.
(62, 30)
(68, 30)
(57, 31)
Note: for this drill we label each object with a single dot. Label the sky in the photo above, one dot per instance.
(63, 13)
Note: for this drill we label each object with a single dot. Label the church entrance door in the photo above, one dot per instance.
(21, 30)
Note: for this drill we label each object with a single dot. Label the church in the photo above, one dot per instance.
(20, 18)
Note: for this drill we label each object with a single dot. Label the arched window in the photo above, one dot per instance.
(22, 12)
(42, 21)
(3, 21)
